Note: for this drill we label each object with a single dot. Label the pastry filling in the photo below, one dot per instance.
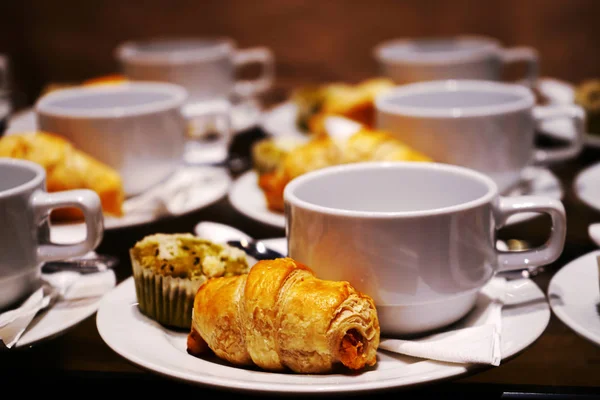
(352, 348)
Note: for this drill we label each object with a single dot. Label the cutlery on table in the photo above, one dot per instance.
(227, 234)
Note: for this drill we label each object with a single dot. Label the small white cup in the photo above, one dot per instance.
(419, 238)
(484, 125)
(206, 67)
(138, 128)
(410, 60)
(25, 235)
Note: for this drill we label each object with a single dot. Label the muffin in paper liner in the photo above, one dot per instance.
(165, 299)
(169, 299)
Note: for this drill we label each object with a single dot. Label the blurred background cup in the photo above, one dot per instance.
(484, 125)
(419, 238)
(206, 67)
(408, 60)
(25, 243)
(138, 128)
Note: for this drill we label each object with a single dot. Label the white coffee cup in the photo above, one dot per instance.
(484, 125)
(408, 60)
(417, 237)
(25, 244)
(206, 67)
(138, 128)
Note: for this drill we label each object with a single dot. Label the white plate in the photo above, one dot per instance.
(163, 351)
(246, 114)
(574, 296)
(58, 319)
(561, 92)
(587, 186)
(246, 196)
(208, 185)
(281, 119)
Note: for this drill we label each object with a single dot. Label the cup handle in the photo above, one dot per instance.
(210, 110)
(85, 200)
(259, 55)
(527, 55)
(573, 112)
(549, 251)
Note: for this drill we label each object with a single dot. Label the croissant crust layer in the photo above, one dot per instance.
(281, 317)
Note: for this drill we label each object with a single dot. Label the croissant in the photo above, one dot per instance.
(279, 316)
(353, 101)
(67, 168)
(324, 151)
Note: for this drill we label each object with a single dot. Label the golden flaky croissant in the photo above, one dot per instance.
(67, 168)
(324, 151)
(353, 101)
(280, 317)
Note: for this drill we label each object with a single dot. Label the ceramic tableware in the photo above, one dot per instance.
(138, 128)
(205, 66)
(417, 237)
(25, 244)
(408, 60)
(484, 125)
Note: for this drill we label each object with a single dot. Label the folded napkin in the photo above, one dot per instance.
(177, 194)
(56, 287)
(476, 339)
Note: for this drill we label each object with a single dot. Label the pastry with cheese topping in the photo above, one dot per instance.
(168, 269)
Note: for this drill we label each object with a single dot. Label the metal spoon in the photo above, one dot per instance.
(83, 265)
(222, 233)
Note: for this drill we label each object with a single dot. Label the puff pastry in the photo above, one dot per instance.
(280, 317)
(324, 151)
(353, 101)
(67, 168)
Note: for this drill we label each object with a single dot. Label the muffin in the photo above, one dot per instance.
(587, 95)
(168, 269)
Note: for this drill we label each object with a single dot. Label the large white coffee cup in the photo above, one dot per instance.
(419, 238)
(24, 217)
(484, 125)
(206, 67)
(138, 128)
(408, 60)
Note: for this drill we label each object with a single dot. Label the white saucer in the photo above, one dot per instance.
(201, 186)
(562, 92)
(574, 296)
(163, 351)
(587, 186)
(57, 319)
(246, 196)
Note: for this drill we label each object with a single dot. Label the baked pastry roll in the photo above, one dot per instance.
(353, 101)
(280, 316)
(324, 151)
(67, 168)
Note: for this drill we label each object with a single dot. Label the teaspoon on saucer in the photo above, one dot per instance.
(83, 265)
(227, 234)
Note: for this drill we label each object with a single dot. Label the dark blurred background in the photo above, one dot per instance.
(313, 41)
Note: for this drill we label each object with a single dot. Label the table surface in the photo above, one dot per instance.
(560, 364)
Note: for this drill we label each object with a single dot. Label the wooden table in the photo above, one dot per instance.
(559, 363)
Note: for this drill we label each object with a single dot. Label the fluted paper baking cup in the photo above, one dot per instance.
(167, 300)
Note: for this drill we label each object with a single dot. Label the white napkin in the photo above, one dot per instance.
(59, 286)
(174, 196)
(478, 343)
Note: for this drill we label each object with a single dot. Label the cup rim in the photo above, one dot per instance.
(178, 96)
(40, 174)
(382, 51)
(383, 101)
(131, 51)
(291, 198)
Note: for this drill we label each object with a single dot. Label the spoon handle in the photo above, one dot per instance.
(82, 265)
